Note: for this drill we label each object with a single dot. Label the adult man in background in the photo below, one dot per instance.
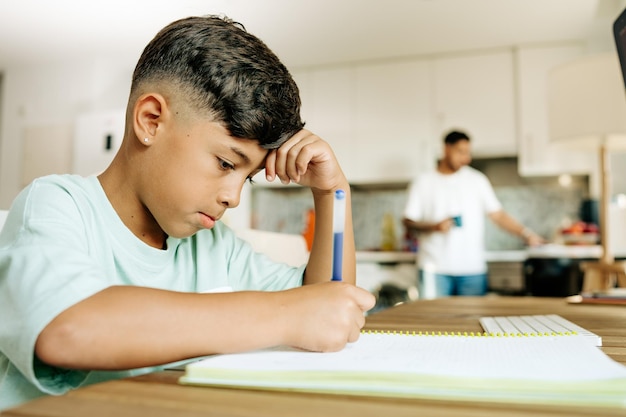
(447, 207)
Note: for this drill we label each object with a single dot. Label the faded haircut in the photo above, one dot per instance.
(231, 75)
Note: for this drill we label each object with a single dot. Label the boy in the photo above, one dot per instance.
(113, 273)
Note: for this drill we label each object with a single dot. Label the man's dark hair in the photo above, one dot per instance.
(217, 67)
(455, 136)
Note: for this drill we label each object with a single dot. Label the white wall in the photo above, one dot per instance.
(40, 98)
(53, 95)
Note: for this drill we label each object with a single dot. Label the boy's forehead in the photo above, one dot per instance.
(249, 151)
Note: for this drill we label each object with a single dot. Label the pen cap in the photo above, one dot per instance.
(339, 211)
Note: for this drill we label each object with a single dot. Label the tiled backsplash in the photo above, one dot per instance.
(280, 209)
(543, 208)
(540, 204)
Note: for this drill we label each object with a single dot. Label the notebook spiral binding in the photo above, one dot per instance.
(466, 334)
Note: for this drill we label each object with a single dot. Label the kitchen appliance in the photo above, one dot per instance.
(589, 211)
(555, 270)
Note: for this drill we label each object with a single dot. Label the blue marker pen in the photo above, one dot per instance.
(339, 222)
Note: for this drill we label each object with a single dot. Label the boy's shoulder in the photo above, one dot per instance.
(57, 190)
(68, 184)
(65, 179)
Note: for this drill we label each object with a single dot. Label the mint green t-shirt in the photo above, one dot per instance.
(63, 242)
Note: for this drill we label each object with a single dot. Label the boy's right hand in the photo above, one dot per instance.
(324, 317)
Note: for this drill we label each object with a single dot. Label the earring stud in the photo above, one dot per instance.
(145, 140)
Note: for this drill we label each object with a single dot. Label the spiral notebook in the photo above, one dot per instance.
(561, 369)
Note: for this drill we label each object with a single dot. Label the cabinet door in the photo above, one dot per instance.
(392, 122)
(331, 118)
(327, 108)
(475, 93)
(537, 155)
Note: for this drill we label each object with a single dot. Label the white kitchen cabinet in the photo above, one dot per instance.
(476, 94)
(376, 117)
(392, 129)
(537, 155)
(327, 108)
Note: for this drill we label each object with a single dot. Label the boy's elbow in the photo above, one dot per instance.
(55, 343)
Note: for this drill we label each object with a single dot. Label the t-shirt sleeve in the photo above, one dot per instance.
(489, 198)
(413, 207)
(44, 270)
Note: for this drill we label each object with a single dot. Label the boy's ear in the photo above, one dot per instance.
(148, 116)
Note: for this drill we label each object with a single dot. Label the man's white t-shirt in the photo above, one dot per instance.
(433, 197)
(63, 242)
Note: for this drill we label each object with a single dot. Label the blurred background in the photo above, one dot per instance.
(381, 81)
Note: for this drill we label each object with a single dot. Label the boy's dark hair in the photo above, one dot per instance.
(455, 136)
(219, 68)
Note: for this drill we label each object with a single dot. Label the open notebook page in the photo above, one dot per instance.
(546, 358)
(461, 366)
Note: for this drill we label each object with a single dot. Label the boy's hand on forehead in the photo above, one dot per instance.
(307, 160)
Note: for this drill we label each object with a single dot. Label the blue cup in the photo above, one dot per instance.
(458, 221)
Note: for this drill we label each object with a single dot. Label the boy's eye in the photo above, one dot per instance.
(225, 165)
(228, 166)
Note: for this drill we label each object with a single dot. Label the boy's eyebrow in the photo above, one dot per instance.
(241, 154)
(245, 157)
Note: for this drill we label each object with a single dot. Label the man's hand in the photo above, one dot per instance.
(444, 226)
(533, 239)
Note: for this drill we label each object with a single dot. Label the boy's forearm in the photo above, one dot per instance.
(130, 327)
(319, 268)
(126, 327)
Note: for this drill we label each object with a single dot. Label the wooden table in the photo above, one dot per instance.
(158, 394)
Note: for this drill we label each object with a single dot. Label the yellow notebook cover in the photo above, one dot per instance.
(554, 369)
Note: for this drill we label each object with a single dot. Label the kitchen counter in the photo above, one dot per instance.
(506, 255)
(550, 250)
(565, 251)
(525, 271)
(385, 257)
(390, 257)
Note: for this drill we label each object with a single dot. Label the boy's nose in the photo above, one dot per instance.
(230, 202)
(231, 196)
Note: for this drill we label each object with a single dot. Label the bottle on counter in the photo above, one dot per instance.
(389, 239)
(309, 228)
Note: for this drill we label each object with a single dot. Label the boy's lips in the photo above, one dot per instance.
(207, 221)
